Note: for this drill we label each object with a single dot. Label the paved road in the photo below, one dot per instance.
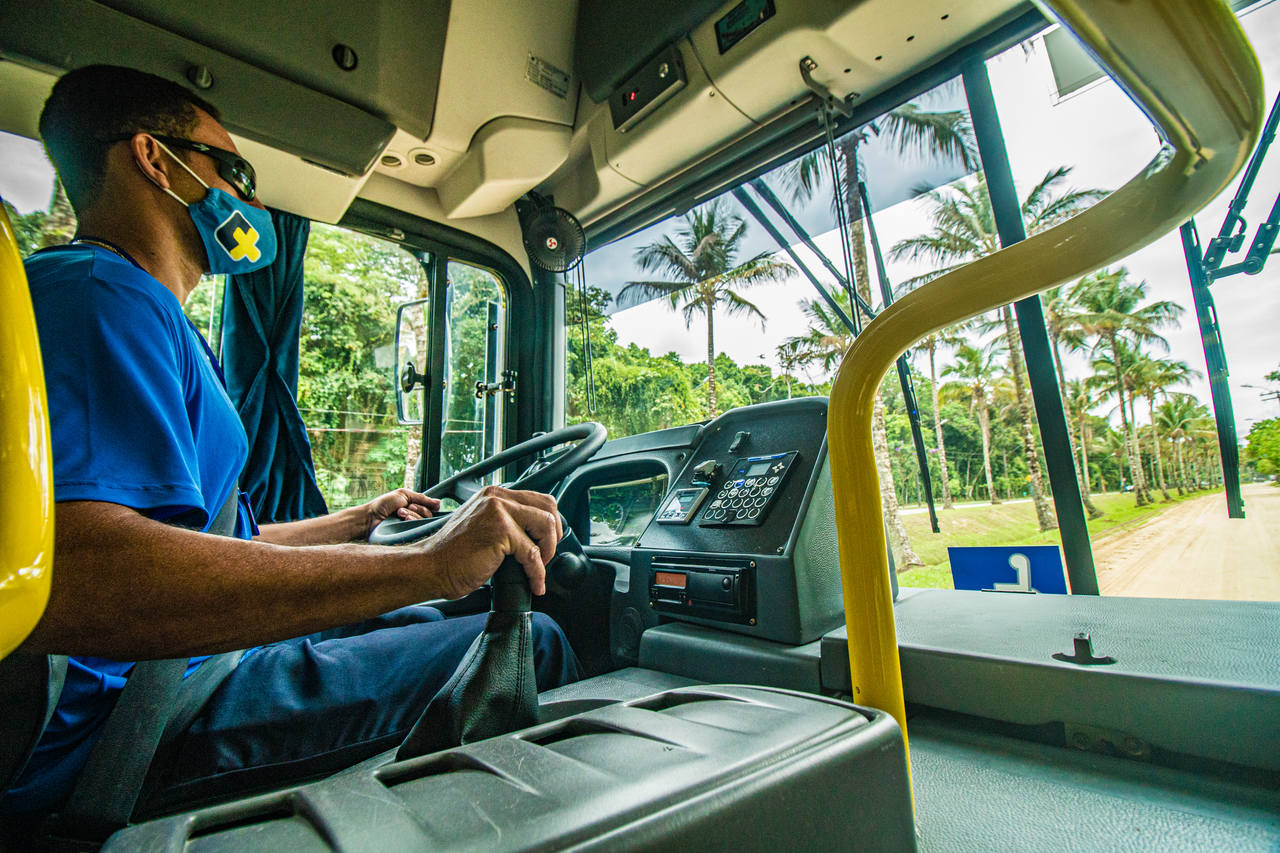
(1195, 551)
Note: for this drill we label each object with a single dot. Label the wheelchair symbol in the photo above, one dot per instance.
(1021, 564)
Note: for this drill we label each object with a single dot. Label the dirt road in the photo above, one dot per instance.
(1195, 551)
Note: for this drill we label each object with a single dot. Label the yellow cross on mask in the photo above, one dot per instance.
(246, 245)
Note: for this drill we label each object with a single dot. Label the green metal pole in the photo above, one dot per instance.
(1059, 460)
(1216, 360)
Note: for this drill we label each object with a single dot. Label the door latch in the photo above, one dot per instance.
(507, 384)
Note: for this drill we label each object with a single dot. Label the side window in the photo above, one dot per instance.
(475, 350)
(354, 283)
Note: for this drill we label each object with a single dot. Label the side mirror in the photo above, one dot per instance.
(411, 357)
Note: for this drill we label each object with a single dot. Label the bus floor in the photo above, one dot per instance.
(1195, 551)
(981, 791)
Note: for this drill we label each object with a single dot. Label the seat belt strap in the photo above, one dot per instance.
(154, 698)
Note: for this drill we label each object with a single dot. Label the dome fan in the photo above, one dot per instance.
(552, 237)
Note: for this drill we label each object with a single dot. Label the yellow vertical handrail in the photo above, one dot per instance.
(26, 469)
(1188, 66)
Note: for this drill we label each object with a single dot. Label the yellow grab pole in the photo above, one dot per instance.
(26, 470)
(1189, 67)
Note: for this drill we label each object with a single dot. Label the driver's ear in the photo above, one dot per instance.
(151, 160)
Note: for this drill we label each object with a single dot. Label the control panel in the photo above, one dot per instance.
(748, 491)
(682, 506)
(721, 592)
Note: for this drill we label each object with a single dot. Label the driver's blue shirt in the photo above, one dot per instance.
(139, 417)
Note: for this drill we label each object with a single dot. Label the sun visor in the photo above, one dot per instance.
(59, 35)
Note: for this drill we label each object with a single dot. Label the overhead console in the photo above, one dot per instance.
(744, 538)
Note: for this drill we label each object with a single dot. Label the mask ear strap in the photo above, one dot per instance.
(177, 160)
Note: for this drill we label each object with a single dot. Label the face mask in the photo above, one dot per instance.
(237, 236)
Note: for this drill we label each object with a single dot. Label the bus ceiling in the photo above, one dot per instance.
(452, 109)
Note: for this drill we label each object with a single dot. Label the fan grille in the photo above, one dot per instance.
(554, 240)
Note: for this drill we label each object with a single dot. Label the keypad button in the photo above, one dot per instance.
(766, 491)
(715, 504)
(773, 481)
(753, 513)
(761, 501)
(754, 492)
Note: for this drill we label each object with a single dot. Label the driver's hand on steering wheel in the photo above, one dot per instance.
(404, 504)
(493, 523)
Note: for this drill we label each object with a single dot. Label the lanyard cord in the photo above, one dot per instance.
(105, 244)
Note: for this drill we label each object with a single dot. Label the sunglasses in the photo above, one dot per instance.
(232, 168)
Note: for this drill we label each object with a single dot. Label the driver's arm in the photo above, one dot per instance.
(348, 525)
(130, 588)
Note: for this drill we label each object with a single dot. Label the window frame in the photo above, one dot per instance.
(522, 416)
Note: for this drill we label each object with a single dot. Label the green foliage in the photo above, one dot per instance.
(1263, 448)
(637, 391)
(28, 228)
(353, 285)
(470, 291)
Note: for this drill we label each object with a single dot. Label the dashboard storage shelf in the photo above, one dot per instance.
(696, 768)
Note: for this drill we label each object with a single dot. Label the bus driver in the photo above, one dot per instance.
(147, 445)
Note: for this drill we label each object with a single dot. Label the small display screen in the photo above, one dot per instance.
(676, 579)
(758, 468)
(685, 498)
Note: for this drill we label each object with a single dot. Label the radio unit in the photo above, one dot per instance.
(725, 593)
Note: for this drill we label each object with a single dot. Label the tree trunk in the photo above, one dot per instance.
(1085, 486)
(947, 502)
(711, 362)
(1182, 467)
(1044, 511)
(1155, 444)
(1130, 440)
(903, 552)
(1082, 474)
(1141, 483)
(984, 421)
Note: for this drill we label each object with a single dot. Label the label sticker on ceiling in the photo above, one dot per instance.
(542, 73)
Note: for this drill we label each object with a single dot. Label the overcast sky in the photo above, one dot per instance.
(1097, 131)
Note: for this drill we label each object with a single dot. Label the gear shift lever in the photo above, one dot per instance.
(494, 690)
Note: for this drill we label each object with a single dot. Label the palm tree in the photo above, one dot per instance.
(825, 343)
(1114, 314)
(1152, 377)
(789, 358)
(1079, 398)
(931, 345)
(925, 135)
(705, 275)
(1061, 319)
(1180, 416)
(1113, 444)
(964, 229)
(976, 376)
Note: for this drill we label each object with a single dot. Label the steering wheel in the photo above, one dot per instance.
(539, 477)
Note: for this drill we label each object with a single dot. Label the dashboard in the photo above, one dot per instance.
(728, 524)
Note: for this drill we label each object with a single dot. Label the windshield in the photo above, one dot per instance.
(744, 300)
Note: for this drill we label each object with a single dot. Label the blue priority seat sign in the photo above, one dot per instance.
(1025, 569)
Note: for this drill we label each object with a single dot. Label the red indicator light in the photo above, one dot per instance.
(631, 96)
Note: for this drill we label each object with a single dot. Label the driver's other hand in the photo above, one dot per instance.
(402, 503)
(493, 523)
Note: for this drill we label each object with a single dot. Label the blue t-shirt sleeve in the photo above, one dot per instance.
(118, 405)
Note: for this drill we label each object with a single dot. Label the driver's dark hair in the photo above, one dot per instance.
(96, 102)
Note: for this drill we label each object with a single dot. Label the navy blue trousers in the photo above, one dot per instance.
(307, 707)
